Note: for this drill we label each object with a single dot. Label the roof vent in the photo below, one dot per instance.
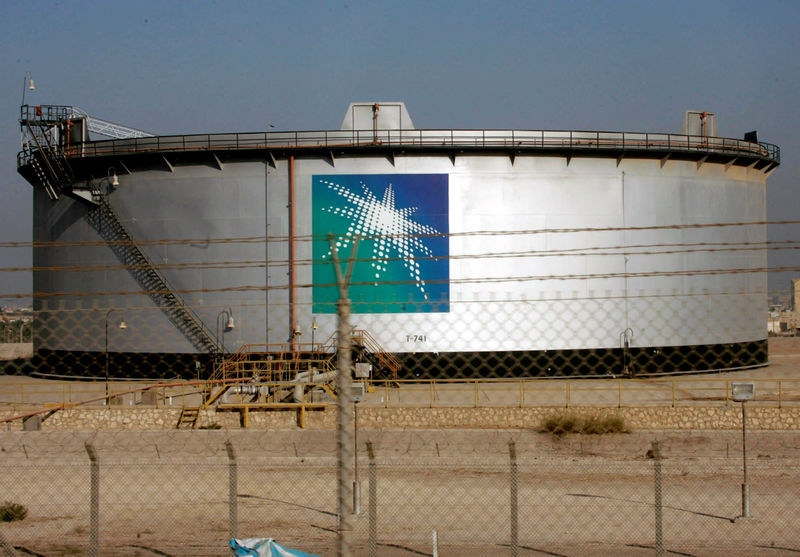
(377, 116)
(699, 122)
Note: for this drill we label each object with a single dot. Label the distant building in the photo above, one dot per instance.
(784, 321)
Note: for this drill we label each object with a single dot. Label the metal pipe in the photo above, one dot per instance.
(745, 486)
(292, 316)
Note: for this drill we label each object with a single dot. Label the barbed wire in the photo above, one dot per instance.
(313, 238)
(697, 247)
(483, 280)
(244, 304)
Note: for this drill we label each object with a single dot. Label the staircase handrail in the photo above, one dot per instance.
(63, 175)
(369, 342)
(168, 289)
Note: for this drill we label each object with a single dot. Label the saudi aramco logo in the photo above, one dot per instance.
(402, 263)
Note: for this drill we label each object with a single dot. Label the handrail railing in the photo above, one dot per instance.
(266, 361)
(366, 340)
(271, 361)
(463, 139)
(552, 392)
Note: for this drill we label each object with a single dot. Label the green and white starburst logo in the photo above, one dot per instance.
(402, 264)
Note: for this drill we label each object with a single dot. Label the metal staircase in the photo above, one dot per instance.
(48, 168)
(46, 131)
(43, 162)
(105, 220)
(367, 348)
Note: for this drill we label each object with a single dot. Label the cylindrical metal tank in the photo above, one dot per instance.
(484, 252)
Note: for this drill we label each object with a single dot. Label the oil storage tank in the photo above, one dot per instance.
(504, 253)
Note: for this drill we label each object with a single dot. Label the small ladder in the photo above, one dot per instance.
(188, 417)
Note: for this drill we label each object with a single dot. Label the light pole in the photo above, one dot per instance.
(27, 85)
(742, 392)
(314, 326)
(228, 326)
(121, 325)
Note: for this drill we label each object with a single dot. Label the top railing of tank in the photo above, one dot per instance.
(597, 141)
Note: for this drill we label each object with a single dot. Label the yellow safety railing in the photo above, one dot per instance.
(665, 392)
(670, 392)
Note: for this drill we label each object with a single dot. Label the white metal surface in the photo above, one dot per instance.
(109, 129)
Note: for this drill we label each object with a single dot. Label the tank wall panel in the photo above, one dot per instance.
(489, 194)
(193, 203)
(545, 300)
(277, 210)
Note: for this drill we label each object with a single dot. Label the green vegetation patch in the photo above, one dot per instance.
(563, 424)
(10, 512)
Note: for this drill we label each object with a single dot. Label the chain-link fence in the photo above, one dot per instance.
(489, 338)
(617, 301)
(423, 493)
(248, 325)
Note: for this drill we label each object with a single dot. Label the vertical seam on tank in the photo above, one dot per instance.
(624, 250)
(266, 252)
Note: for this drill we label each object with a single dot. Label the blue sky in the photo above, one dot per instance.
(186, 67)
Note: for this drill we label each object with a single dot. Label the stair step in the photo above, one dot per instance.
(188, 417)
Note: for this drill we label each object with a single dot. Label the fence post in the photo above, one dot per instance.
(94, 501)
(373, 503)
(673, 393)
(344, 390)
(233, 490)
(512, 453)
(658, 503)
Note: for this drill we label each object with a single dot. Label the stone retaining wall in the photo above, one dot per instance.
(16, 350)
(636, 418)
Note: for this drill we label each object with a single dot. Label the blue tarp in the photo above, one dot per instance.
(264, 547)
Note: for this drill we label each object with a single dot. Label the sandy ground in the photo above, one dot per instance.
(167, 493)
